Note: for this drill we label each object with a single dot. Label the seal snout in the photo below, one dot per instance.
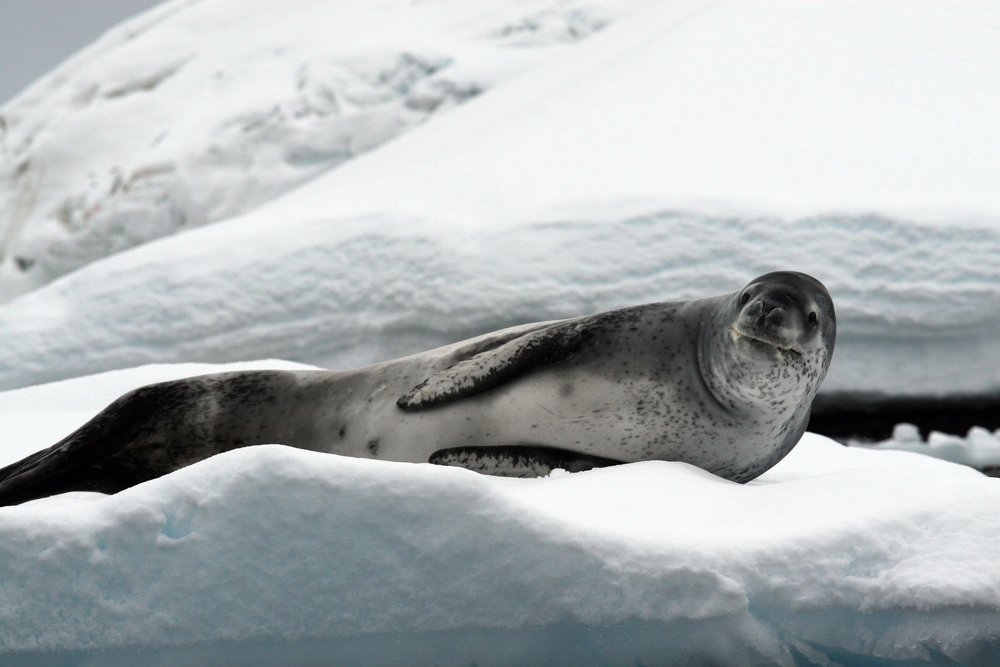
(776, 317)
(767, 312)
(769, 319)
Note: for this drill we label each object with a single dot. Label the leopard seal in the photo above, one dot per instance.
(724, 383)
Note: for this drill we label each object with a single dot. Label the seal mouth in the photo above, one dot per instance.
(737, 332)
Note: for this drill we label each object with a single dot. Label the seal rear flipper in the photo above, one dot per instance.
(494, 367)
(62, 467)
(41, 483)
(82, 461)
(518, 460)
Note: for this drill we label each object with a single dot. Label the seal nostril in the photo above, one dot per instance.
(776, 316)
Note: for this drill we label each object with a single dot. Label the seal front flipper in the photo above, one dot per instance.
(494, 367)
(518, 460)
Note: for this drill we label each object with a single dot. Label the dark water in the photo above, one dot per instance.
(801, 640)
(871, 417)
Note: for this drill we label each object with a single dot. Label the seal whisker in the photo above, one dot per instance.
(791, 350)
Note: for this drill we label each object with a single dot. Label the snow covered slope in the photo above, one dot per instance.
(780, 108)
(196, 111)
(678, 153)
(270, 555)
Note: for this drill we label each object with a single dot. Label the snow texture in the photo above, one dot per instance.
(678, 152)
(268, 554)
(196, 111)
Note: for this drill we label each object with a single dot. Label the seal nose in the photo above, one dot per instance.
(765, 310)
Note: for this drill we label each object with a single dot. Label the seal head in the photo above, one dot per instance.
(771, 344)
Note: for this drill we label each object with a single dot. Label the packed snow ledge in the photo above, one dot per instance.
(273, 554)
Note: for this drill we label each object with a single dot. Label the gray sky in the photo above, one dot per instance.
(36, 35)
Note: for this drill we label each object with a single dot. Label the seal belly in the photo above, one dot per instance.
(570, 408)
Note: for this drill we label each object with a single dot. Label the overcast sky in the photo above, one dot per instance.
(36, 35)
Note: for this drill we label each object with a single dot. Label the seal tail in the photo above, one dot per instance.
(79, 462)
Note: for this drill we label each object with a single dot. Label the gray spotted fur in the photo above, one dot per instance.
(723, 383)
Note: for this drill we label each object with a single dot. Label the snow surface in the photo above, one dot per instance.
(679, 152)
(196, 111)
(979, 448)
(272, 555)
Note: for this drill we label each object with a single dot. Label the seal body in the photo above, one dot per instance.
(723, 383)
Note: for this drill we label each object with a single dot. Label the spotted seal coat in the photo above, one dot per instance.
(723, 383)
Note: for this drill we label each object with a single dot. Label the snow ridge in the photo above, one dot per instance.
(343, 293)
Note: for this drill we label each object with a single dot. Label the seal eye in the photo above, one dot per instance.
(813, 318)
(744, 298)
